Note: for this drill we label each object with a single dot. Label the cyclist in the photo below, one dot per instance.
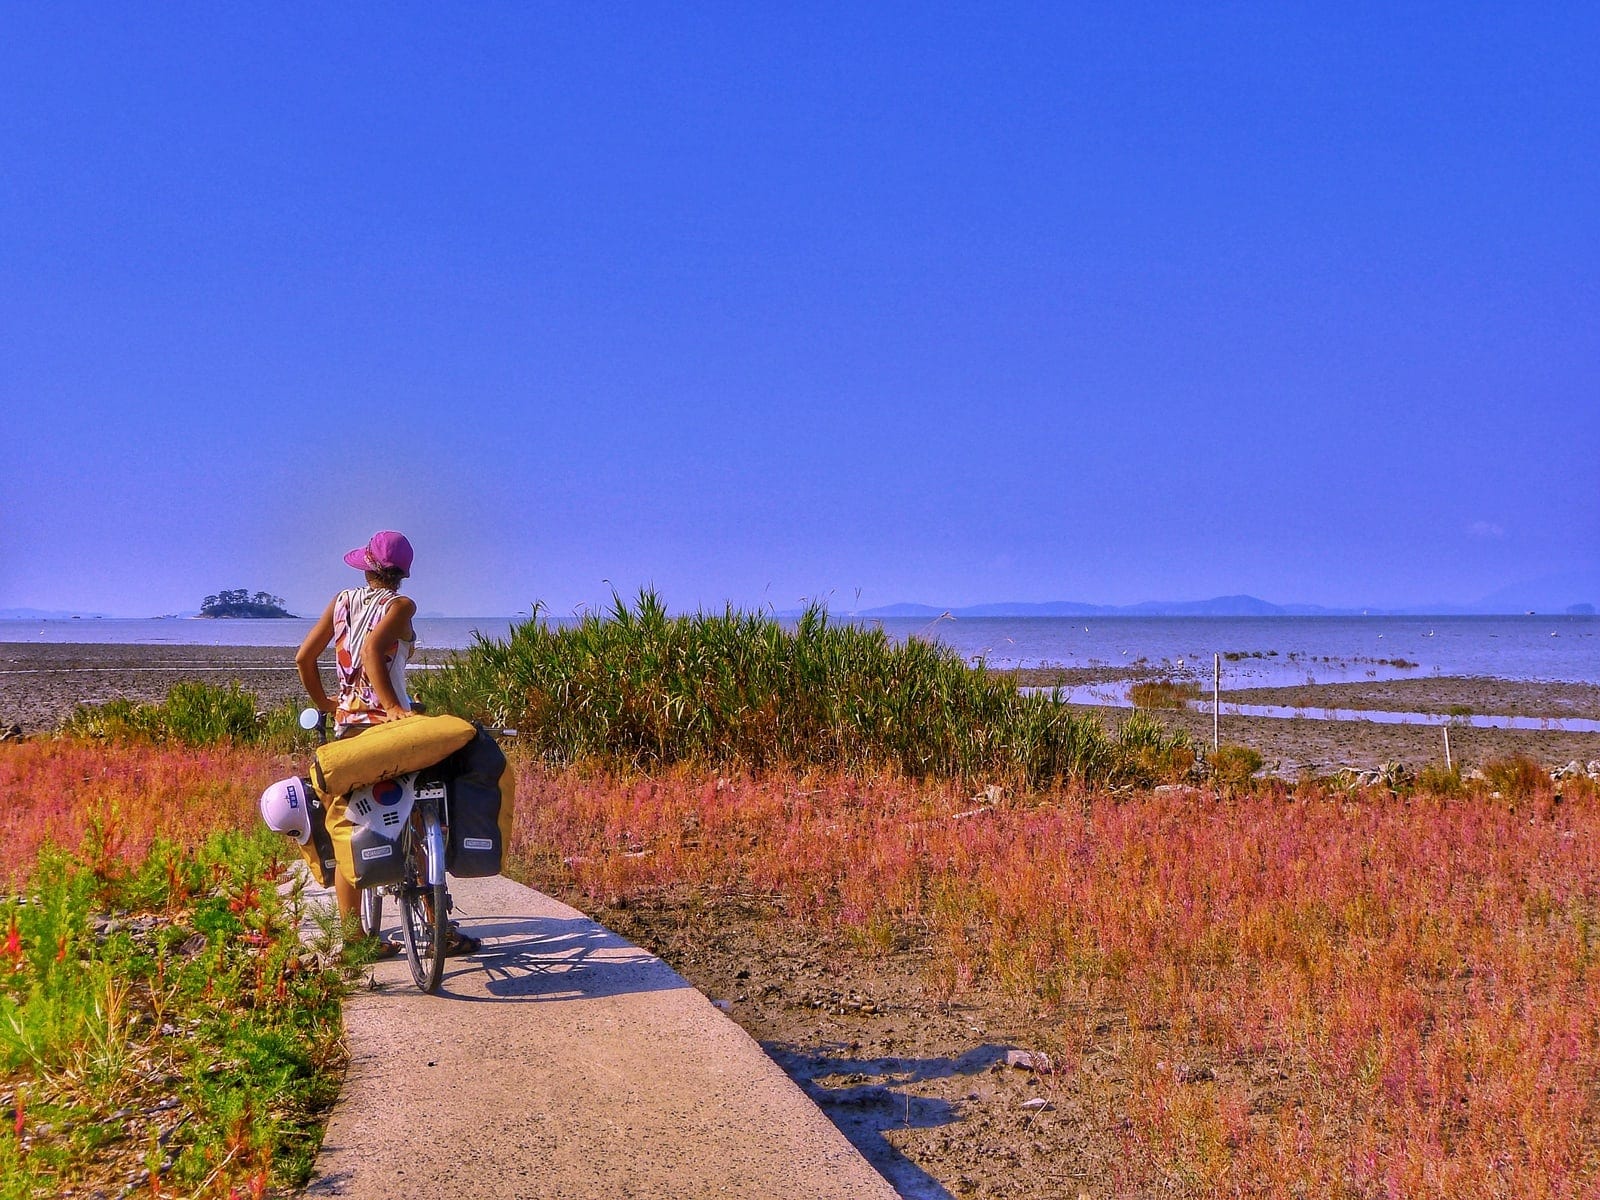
(372, 634)
(371, 631)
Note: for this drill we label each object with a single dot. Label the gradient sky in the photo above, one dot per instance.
(756, 302)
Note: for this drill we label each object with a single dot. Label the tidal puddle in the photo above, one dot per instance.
(1383, 717)
(1115, 696)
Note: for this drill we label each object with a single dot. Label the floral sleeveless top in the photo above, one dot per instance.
(356, 612)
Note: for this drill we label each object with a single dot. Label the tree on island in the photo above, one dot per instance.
(240, 603)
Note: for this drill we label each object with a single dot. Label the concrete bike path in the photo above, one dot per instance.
(563, 1062)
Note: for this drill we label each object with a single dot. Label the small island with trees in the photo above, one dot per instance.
(241, 603)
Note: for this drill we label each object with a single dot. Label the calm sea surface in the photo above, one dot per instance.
(1291, 650)
(1269, 651)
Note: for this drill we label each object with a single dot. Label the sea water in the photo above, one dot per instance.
(1259, 651)
(1282, 651)
(439, 633)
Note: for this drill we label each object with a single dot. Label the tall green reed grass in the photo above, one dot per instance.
(637, 685)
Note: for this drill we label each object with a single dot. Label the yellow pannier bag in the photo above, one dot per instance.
(386, 751)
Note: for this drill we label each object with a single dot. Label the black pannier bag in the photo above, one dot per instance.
(480, 799)
(318, 850)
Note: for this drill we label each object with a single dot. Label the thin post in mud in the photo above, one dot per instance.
(1447, 764)
(1216, 702)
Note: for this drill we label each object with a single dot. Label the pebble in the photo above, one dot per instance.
(1038, 1104)
(1029, 1060)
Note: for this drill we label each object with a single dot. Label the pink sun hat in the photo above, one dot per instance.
(385, 550)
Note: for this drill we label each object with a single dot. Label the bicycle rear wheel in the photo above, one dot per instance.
(424, 908)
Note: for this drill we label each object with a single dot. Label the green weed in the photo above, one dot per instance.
(161, 1022)
(193, 714)
(1438, 780)
(1233, 766)
(1516, 777)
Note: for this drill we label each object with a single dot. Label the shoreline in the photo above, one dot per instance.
(41, 682)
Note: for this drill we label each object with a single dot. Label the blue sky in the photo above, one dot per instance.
(759, 302)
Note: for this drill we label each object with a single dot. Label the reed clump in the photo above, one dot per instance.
(638, 686)
(1163, 693)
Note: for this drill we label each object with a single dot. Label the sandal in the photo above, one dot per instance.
(458, 944)
(461, 943)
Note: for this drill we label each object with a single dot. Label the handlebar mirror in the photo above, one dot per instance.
(310, 718)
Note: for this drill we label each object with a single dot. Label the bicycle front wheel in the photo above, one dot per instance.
(424, 908)
(372, 911)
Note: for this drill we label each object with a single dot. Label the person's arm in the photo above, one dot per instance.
(305, 660)
(375, 652)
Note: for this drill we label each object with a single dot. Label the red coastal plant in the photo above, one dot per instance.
(113, 800)
(1422, 973)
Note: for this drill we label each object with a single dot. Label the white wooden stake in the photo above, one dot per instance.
(1216, 702)
(1447, 765)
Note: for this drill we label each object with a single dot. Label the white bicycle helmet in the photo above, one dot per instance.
(283, 808)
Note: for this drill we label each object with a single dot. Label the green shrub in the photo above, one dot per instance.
(1233, 765)
(1516, 777)
(1440, 781)
(193, 714)
(1153, 754)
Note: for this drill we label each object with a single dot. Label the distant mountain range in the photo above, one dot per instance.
(1219, 606)
(1575, 591)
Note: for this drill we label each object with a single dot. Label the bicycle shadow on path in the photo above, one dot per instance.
(543, 959)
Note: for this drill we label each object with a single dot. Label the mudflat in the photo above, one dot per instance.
(1308, 741)
(1292, 746)
(40, 684)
